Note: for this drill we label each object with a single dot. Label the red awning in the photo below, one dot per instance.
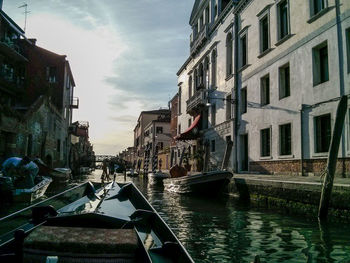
(192, 131)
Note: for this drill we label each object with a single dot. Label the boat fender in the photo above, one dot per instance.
(41, 213)
(123, 193)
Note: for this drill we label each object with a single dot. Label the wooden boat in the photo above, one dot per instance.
(61, 175)
(112, 224)
(132, 173)
(28, 195)
(205, 183)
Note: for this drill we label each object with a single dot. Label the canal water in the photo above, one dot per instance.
(223, 229)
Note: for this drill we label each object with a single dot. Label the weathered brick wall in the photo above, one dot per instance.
(293, 167)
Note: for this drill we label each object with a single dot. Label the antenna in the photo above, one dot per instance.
(25, 5)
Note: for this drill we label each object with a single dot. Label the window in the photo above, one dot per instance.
(201, 23)
(190, 87)
(51, 74)
(206, 72)
(58, 148)
(213, 68)
(320, 64)
(322, 133)
(179, 129)
(228, 54)
(228, 107)
(244, 100)
(161, 145)
(316, 6)
(180, 100)
(285, 139)
(284, 81)
(159, 130)
(224, 3)
(213, 115)
(347, 36)
(265, 90)
(283, 19)
(189, 122)
(243, 49)
(207, 15)
(212, 146)
(265, 142)
(195, 80)
(264, 34)
(201, 76)
(215, 11)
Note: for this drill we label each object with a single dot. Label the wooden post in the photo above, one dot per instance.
(332, 158)
(206, 157)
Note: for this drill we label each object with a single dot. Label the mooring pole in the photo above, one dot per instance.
(332, 158)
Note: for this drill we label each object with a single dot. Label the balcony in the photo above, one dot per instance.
(74, 104)
(199, 39)
(11, 50)
(10, 82)
(197, 102)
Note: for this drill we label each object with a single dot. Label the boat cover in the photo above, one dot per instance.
(81, 242)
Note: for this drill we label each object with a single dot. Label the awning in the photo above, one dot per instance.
(191, 133)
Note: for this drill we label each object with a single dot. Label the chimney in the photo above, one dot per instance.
(33, 40)
(1, 2)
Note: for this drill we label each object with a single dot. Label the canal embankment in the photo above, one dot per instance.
(292, 194)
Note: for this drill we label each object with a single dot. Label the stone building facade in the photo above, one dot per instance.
(36, 98)
(145, 118)
(268, 75)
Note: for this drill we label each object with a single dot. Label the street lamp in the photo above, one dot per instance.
(232, 101)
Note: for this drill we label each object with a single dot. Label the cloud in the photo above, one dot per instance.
(124, 56)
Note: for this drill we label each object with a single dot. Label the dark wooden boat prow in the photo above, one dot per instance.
(113, 224)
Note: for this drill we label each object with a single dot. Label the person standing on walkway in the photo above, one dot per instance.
(104, 170)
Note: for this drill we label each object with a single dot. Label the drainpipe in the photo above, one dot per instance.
(236, 90)
(341, 65)
(302, 140)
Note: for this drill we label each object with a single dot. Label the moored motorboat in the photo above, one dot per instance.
(206, 183)
(112, 224)
(156, 178)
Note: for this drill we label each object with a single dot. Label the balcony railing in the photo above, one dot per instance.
(74, 104)
(197, 101)
(199, 39)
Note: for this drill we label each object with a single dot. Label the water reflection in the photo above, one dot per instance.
(226, 230)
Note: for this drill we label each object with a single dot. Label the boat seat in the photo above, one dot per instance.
(76, 244)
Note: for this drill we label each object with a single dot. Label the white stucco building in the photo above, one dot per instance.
(273, 72)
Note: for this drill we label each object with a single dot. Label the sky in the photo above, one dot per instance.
(124, 56)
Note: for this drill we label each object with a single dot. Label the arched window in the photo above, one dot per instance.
(206, 72)
(229, 54)
(213, 68)
(190, 87)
